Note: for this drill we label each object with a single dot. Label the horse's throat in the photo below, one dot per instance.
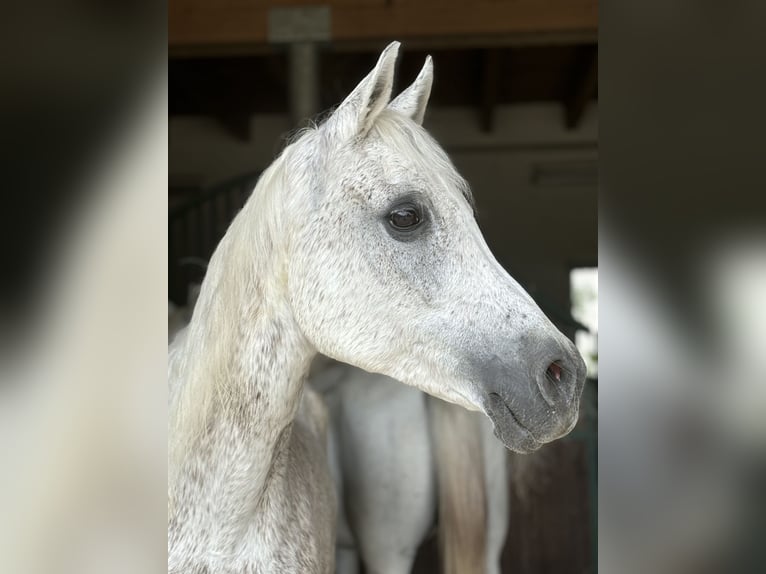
(274, 364)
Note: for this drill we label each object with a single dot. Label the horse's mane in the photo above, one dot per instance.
(197, 372)
(308, 126)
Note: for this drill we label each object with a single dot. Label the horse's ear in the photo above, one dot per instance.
(358, 111)
(412, 102)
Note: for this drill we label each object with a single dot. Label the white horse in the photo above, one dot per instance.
(398, 456)
(358, 242)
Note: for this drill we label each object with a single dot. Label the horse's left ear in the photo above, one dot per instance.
(412, 102)
(358, 111)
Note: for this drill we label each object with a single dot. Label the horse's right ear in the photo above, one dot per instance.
(357, 113)
(412, 102)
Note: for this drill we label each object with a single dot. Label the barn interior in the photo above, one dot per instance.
(514, 104)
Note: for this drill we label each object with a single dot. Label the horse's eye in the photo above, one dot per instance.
(404, 218)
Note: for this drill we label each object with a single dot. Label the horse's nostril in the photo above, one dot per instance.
(554, 372)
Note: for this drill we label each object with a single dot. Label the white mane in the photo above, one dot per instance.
(199, 368)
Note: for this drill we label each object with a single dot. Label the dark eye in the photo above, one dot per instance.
(404, 218)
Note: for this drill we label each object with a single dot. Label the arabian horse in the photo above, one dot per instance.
(359, 242)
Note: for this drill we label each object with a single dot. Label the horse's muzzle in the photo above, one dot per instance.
(533, 396)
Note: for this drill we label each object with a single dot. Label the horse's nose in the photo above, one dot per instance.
(560, 373)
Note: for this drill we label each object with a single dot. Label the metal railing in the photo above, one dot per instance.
(197, 225)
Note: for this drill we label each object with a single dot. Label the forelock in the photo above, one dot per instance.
(398, 132)
(412, 141)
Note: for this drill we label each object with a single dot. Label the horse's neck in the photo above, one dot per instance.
(244, 361)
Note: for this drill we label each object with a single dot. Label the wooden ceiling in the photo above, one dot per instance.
(228, 58)
(248, 24)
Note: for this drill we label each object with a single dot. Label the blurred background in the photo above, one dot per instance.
(514, 104)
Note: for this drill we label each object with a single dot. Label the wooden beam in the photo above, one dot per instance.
(215, 25)
(583, 88)
(456, 18)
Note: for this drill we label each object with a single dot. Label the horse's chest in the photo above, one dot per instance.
(294, 530)
(281, 538)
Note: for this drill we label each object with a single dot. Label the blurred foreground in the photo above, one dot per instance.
(82, 401)
(682, 430)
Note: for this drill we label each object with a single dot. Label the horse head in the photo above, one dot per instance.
(387, 269)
